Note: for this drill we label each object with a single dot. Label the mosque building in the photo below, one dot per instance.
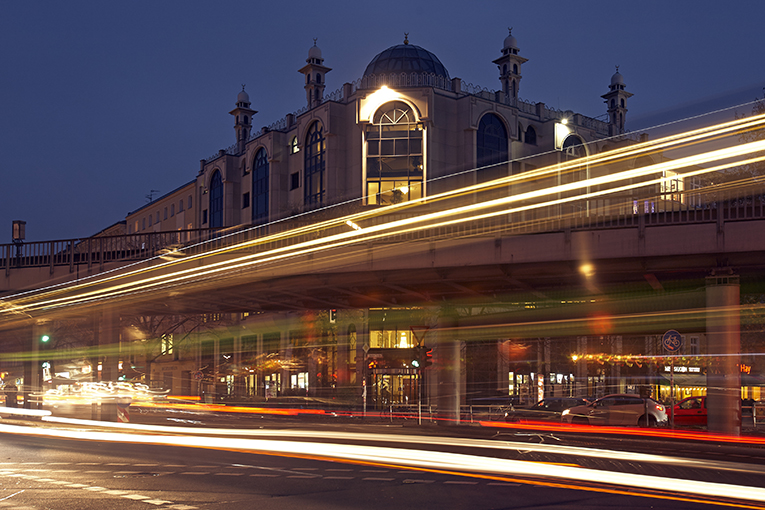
(404, 130)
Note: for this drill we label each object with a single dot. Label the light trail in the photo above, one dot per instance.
(424, 221)
(530, 472)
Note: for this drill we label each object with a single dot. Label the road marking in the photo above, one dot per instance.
(182, 507)
(228, 474)
(459, 482)
(117, 464)
(304, 476)
(116, 492)
(196, 473)
(343, 470)
(371, 479)
(136, 497)
(145, 465)
(504, 484)
(411, 480)
(339, 477)
(264, 475)
(375, 470)
(77, 485)
(156, 501)
(305, 469)
(94, 489)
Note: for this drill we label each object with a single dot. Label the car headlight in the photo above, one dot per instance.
(564, 413)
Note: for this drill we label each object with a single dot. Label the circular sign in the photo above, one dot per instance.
(198, 375)
(672, 341)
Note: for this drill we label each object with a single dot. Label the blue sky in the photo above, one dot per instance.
(102, 102)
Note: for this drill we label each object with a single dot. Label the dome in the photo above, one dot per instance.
(406, 58)
(617, 79)
(314, 52)
(243, 97)
(511, 43)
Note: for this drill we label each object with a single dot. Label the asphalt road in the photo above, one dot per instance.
(54, 473)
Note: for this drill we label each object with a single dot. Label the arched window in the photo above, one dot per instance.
(394, 164)
(520, 132)
(318, 78)
(260, 187)
(504, 69)
(573, 148)
(622, 103)
(531, 136)
(216, 200)
(315, 169)
(491, 146)
(515, 68)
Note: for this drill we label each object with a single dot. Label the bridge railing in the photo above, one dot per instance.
(696, 207)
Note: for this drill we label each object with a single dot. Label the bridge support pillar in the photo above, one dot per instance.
(448, 368)
(108, 340)
(723, 324)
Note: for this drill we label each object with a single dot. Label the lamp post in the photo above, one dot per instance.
(19, 232)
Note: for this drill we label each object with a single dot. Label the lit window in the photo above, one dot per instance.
(260, 187)
(315, 169)
(394, 163)
(294, 148)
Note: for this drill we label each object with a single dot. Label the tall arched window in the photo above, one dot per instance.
(260, 187)
(531, 136)
(216, 200)
(315, 168)
(491, 148)
(394, 164)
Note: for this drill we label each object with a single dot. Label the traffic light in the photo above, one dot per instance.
(44, 339)
(332, 316)
(423, 357)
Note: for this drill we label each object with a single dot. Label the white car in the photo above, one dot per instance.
(623, 409)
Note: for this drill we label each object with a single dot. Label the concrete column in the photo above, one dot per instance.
(723, 324)
(108, 340)
(448, 368)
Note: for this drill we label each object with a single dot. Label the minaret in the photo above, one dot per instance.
(509, 65)
(616, 99)
(243, 123)
(314, 73)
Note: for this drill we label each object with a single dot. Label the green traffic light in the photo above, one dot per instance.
(44, 338)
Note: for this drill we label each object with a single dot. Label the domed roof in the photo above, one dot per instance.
(243, 97)
(406, 58)
(511, 43)
(315, 51)
(617, 78)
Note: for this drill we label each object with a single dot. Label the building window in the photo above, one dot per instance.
(394, 164)
(172, 210)
(150, 218)
(246, 200)
(204, 217)
(189, 207)
(260, 187)
(165, 213)
(216, 200)
(294, 180)
(491, 148)
(531, 136)
(294, 147)
(157, 216)
(143, 224)
(315, 169)
(180, 206)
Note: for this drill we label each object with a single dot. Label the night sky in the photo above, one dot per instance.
(102, 102)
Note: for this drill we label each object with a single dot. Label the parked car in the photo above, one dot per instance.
(629, 410)
(691, 411)
(546, 409)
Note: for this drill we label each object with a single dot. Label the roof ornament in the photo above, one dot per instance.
(243, 87)
(509, 30)
(314, 40)
(617, 69)
(406, 37)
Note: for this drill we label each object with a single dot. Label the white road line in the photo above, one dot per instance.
(373, 479)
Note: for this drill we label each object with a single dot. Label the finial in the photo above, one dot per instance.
(509, 30)
(617, 69)
(314, 40)
(243, 87)
(406, 37)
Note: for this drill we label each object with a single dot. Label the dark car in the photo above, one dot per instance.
(546, 409)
